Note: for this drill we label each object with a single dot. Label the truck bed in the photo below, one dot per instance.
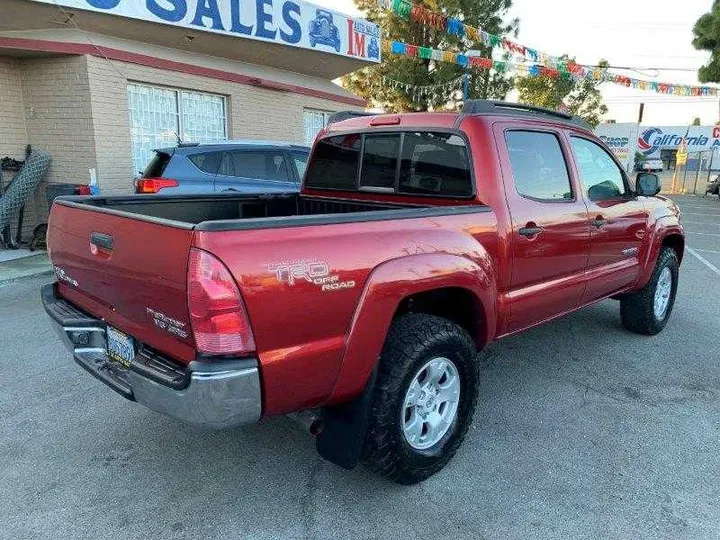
(125, 261)
(238, 212)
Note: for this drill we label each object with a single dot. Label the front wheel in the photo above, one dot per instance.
(424, 398)
(648, 310)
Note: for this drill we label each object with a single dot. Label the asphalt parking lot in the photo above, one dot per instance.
(583, 431)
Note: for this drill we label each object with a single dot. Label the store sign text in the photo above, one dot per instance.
(280, 21)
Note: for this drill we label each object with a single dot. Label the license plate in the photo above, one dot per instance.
(120, 347)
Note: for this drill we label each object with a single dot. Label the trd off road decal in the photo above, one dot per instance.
(308, 271)
(167, 324)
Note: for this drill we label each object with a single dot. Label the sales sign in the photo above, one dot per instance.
(287, 22)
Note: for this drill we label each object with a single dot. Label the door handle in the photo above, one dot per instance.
(228, 189)
(104, 241)
(599, 222)
(530, 230)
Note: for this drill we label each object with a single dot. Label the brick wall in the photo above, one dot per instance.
(58, 118)
(253, 113)
(12, 120)
(109, 102)
(13, 136)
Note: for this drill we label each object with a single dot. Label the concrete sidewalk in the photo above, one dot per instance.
(21, 263)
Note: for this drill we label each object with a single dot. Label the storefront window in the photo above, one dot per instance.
(158, 116)
(313, 122)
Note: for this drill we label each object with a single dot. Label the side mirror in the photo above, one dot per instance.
(648, 184)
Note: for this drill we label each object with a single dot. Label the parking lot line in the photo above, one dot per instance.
(707, 251)
(703, 260)
(698, 222)
(698, 214)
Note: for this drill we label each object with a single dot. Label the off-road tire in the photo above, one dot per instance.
(637, 309)
(413, 340)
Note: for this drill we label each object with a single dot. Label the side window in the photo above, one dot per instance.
(226, 167)
(538, 166)
(300, 159)
(260, 165)
(435, 164)
(335, 163)
(379, 163)
(600, 176)
(207, 162)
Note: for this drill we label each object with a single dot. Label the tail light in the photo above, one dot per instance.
(217, 312)
(84, 190)
(153, 185)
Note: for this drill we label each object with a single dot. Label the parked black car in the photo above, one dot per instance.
(713, 186)
(232, 166)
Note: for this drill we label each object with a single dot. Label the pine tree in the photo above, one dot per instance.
(376, 83)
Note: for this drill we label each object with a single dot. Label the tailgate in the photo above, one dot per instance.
(130, 272)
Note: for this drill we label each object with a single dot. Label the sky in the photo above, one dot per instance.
(641, 34)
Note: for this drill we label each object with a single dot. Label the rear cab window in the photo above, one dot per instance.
(379, 162)
(335, 163)
(402, 163)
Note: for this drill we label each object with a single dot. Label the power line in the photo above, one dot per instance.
(629, 68)
(670, 100)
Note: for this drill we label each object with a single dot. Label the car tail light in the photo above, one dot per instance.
(153, 185)
(217, 312)
(84, 190)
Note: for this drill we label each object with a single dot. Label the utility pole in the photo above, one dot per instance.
(641, 113)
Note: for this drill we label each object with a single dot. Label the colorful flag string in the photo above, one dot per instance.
(543, 64)
(420, 14)
(568, 70)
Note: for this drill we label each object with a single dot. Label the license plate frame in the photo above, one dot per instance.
(120, 347)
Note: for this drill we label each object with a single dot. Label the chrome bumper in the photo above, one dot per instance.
(216, 394)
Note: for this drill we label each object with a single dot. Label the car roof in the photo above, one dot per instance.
(239, 144)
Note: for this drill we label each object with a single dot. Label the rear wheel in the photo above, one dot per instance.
(648, 310)
(424, 398)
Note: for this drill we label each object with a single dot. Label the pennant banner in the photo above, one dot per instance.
(548, 65)
(417, 92)
(568, 70)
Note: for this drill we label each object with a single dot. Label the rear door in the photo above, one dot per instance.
(194, 171)
(550, 239)
(130, 272)
(255, 171)
(618, 218)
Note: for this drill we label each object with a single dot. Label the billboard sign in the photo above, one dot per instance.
(286, 22)
(653, 139)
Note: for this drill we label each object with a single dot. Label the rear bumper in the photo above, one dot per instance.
(218, 394)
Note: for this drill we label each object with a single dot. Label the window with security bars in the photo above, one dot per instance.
(158, 116)
(313, 122)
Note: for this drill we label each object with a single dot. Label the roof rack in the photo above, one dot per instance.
(347, 115)
(482, 106)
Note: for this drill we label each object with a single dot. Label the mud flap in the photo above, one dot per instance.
(344, 426)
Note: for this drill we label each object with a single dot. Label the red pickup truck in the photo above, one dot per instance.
(416, 240)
